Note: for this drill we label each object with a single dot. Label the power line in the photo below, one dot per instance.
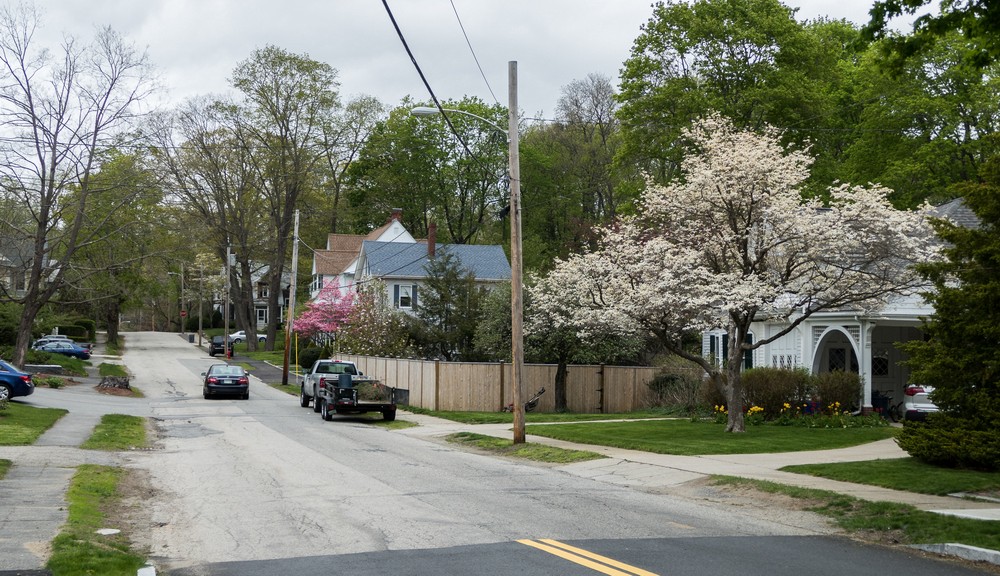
(474, 57)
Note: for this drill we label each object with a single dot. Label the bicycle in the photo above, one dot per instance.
(530, 405)
(893, 412)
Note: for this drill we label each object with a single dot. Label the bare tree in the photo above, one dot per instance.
(58, 115)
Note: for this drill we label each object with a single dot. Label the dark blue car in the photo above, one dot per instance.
(13, 382)
(67, 348)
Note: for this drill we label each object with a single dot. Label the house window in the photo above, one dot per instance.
(405, 296)
(880, 364)
(262, 316)
(261, 290)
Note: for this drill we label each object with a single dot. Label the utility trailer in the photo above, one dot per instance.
(348, 394)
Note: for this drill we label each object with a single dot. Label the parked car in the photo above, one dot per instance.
(917, 403)
(226, 379)
(240, 336)
(51, 338)
(13, 382)
(216, 346)
(65, 348)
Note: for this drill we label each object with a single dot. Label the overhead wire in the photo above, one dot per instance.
(474, 57)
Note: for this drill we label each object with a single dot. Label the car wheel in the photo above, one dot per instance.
(237, 340)
(303, 399)
(389, 415)
(206, 394)
(325, 412)
(262, 338)
(316, 401)
(246, 395)
(4, 392)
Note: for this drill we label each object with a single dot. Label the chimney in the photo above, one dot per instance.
(397, 215)
(432, 232)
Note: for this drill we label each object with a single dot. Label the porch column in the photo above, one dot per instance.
(865, 365)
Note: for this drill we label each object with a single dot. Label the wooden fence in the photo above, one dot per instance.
(485, 386)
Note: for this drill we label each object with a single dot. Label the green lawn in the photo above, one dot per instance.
(507, 417)
(118, 432)
(21, 425)
(684, 437)
(905, 474)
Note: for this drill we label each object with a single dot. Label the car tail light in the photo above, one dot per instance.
(213, 380)
(913, 390)
(26, 378)
(244, 380)
(322, 383)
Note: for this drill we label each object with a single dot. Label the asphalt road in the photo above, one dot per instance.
(263, 486)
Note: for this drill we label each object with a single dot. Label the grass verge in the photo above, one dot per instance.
(906, 474)
(290, 389)
(684, 437)
(118, 432)
(108, 369)
(78, 550)
(21, 425)
(4, 467)
(527, 450)
(885, 522)
(70, 366)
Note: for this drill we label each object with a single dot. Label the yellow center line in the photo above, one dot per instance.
(586, 558)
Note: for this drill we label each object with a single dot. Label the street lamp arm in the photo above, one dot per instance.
(431, 111)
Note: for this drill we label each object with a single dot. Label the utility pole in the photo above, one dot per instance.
(516, 302)
(225, 306)
(291, 297)
(201, 298)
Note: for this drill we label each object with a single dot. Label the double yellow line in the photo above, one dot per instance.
(586, 558)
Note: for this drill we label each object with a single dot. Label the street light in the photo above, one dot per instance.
(516, 302)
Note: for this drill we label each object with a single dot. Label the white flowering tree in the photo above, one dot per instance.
(733, 241)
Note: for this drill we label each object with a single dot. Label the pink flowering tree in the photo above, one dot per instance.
(733, 241)
(325, 315)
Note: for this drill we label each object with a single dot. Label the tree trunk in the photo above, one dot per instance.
(562, 373)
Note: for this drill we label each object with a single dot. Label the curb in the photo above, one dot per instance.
(963, 551)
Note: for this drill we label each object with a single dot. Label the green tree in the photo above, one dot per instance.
(419, 165)
(109, 273)
(748, 60)
(977, 20)
(958, 356)
(448, 309)
(924, 126)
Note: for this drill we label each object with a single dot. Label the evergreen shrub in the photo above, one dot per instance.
(839, 387)
(944, 440)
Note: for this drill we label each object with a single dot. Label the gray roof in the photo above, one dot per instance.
(406, 260)
(958, 212)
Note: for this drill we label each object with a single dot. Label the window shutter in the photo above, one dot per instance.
(725, 347)
(395, 295)
(413, 296)
(748, 355)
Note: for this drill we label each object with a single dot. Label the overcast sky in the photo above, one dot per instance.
(195, 44)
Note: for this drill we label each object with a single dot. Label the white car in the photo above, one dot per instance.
(917, 403)
(240, 336)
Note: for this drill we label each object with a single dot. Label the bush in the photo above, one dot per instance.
(676, 390)
(839, 388)
(309, 356)
(772, 388)
(944, 440)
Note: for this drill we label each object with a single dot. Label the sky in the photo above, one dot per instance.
(196, 44)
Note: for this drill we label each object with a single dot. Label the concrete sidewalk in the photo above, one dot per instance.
(648, 470)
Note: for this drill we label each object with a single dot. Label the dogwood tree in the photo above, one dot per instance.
(327, 312)
(733, 241)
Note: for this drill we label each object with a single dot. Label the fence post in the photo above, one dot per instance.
(600, 389)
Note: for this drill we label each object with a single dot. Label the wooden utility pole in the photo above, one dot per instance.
(516, 302)
(291, 297)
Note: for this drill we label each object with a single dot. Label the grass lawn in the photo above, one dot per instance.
(118, 432)
(78, 549)
(906, 474)
(21, 425)
(527, 450)
(684, 437)
(4, 467)
(108, 369)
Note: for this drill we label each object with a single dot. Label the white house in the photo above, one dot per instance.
(847, 339)
(339, 260)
